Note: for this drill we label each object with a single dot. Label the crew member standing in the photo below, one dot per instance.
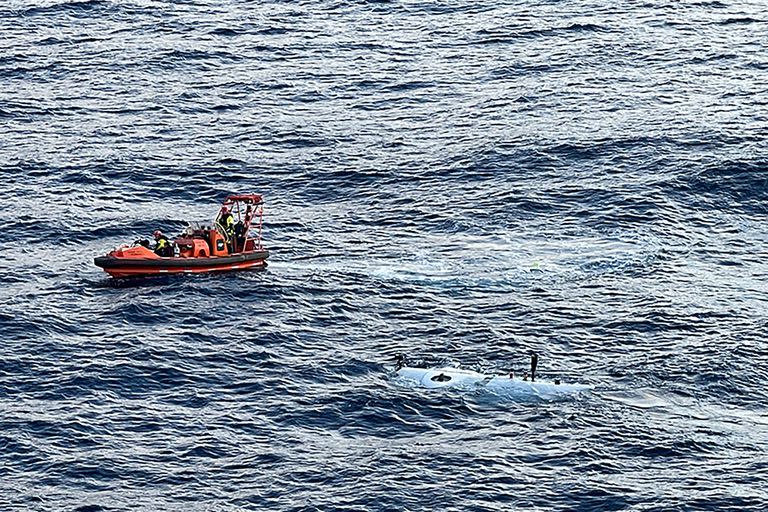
(227, 224)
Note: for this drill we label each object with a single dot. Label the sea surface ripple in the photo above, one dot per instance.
(460, 181)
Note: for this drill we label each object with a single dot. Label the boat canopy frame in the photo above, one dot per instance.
(244, 207)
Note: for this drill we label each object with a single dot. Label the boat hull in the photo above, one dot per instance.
(120, 267)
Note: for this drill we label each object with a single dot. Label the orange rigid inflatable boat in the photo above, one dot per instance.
(199, 248)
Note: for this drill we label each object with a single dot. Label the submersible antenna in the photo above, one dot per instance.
(534, 362)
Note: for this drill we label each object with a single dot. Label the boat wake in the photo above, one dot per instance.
(488, 266)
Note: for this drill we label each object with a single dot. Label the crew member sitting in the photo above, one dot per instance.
(162, 245)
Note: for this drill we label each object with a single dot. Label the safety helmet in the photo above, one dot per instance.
(158, 233)
(224, 209)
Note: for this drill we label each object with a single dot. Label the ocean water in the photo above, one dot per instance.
(462, 182)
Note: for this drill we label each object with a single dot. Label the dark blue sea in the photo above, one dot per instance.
(462, 182)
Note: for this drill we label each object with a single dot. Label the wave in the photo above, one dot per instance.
(82, 8)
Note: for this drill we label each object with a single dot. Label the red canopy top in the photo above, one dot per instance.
(245, 198)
